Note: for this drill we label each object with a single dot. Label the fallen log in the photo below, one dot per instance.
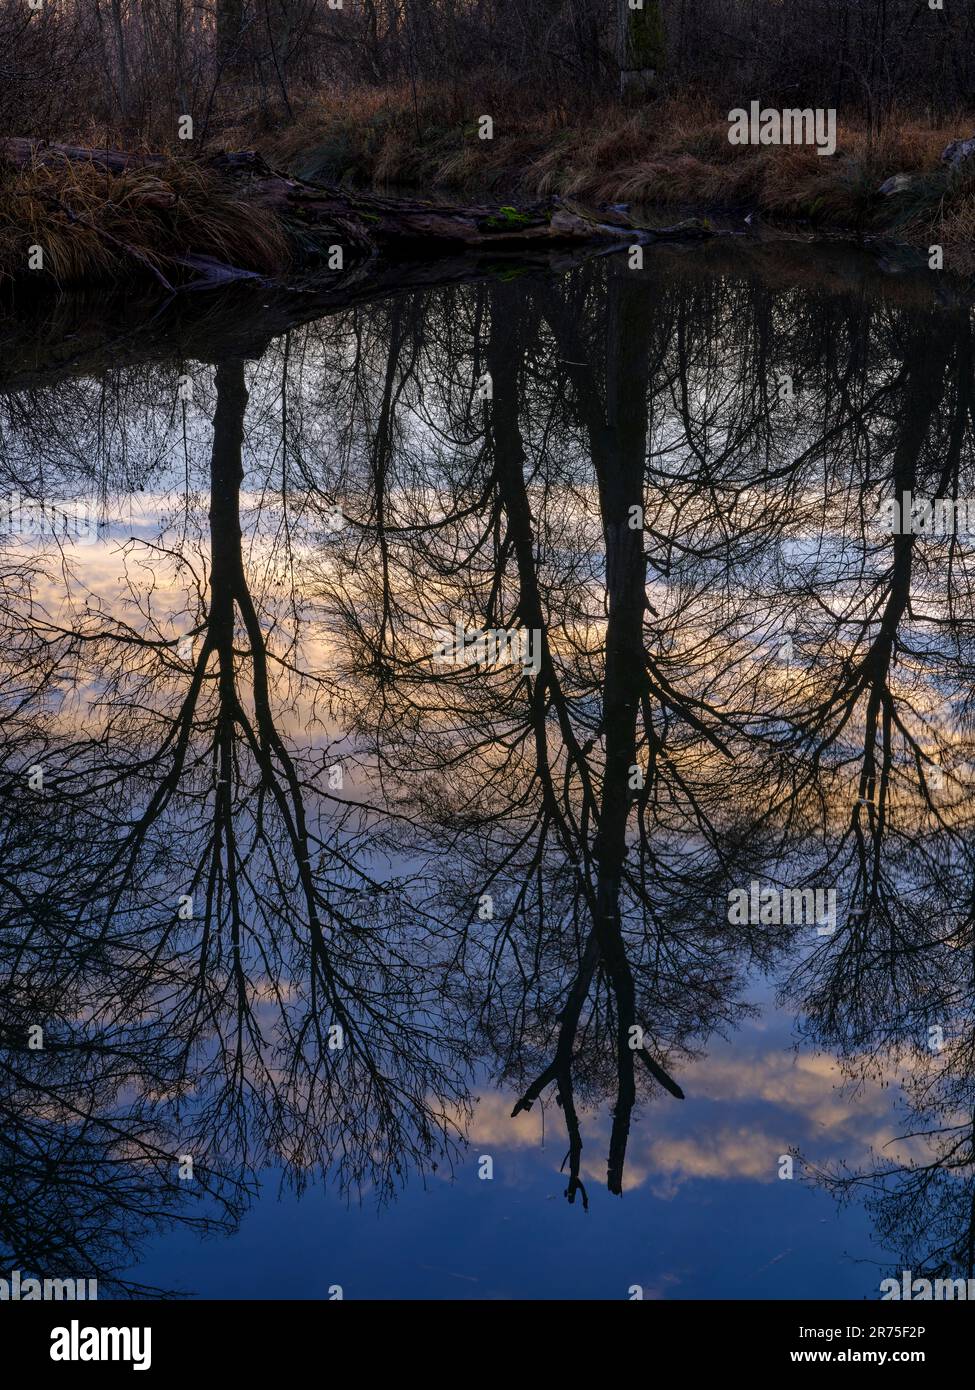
(410, 225)
(367, 224)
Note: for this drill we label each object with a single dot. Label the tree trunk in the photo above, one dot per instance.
(640, 48)
(230, 15)
(118, 27)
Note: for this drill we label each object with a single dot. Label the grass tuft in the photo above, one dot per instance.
(96, 226)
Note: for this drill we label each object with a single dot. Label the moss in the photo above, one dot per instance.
(507, 217)
(507, 273)
(646, 37)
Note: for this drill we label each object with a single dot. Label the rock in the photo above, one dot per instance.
(898, 183)
(959, 152)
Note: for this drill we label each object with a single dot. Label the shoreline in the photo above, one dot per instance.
(628, 170)
(662, 155)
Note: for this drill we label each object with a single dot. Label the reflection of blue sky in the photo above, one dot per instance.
(705, 1214)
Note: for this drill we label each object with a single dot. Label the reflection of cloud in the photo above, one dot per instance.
(492, 1125)
(746, 1109)
(808, 1082)
(492, 1128)
(120, 583)
(593, 1164)
(724, 1153)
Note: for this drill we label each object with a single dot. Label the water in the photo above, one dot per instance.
(301, 898)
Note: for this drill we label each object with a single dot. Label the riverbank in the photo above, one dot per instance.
(93, 224)
(88, 331)
(72, 214)
(670, 153)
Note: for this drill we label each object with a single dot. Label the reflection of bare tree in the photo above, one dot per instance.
(920, 995)
(617, 440)
(85, 1177)
(892, 992)
(543, 792)
(88, 1162)
(736, 753)
(532, 867)
(210, 907)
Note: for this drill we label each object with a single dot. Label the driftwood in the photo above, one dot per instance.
(373, 224)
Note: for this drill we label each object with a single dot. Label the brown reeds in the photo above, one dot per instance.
(96, 226)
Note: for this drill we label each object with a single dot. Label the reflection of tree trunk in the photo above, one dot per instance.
(229, 595)
(923, 392)
(620, 473)
(503, 357)
(926, 360)
(226, 561)
(226, 476)
(227, 581)
(618, 443)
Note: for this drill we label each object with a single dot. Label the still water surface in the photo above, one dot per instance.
(294, 898)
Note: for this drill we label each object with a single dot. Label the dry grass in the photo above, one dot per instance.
(675, 152)
(957, 228)
(95, 226)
